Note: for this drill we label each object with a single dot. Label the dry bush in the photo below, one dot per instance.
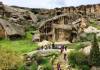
(9, 60)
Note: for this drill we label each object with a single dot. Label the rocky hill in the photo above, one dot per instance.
(90, 11)
(16, 21)
(23, 17)
(83, 9)
(28, 17)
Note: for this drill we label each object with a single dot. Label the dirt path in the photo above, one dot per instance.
(63, 63)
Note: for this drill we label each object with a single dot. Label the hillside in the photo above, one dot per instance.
(44, 39)
(91, 11)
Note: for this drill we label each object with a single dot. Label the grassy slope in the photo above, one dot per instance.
(93, 23)
(19, 46)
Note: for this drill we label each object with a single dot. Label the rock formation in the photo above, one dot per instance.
(9, 30)
(90, 11)
(61, 28)
(17, 15)
(17, 20)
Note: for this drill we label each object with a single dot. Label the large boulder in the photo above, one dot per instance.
(91, 29)
(95, 68)
(87, 49)
(19, 16)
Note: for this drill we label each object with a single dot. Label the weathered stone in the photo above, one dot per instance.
(90, 11)
(61, 28)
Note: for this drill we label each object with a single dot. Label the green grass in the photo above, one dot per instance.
(96, 26)
(77, 45)
(93, 23)
(19, 46)
(29, 35)
(9, 59)
(46, 64)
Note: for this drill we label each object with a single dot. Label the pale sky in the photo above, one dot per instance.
(48, 3)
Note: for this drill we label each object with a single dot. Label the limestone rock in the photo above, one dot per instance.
(9, 29)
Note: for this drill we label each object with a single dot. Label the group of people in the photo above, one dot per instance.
(44, 47)
(62, 48)
(51, 46)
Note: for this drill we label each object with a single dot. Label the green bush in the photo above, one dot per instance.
(77, 59)
(48, 66)
(9, 60)
(53, 54)
(77, 46)
(34, 67)
(39, 59)
(72, 58)
(85, 67)
(95, 53)
(93, 23)
(80, 46)
(29, 35)
(21, 68)
(98, 39)
(87, 37)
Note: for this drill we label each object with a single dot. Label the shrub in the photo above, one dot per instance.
(29, 35)
(77, 46)
(85, 67)
(34, 67)
(94, 58)
(93, 23)
(48, 66)
(86, 37)
(81, 45)
(9, 59)
(72, 58)
(77, 59)
(21, 67)
(39, 59)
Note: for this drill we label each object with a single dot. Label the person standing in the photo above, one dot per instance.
(53, 46)
(65, 55)
(58, 66)
(62, 49)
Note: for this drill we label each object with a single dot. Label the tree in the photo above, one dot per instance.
(94, 58)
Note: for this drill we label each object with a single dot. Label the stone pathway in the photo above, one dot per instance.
(63, 63)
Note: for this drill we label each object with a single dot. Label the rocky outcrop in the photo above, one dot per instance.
(23, 17)
(17, 20)
(90, 11)
(83, 9)
(10, 30)
(1, 9)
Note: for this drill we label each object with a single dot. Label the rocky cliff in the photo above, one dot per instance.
(19, 16)
(30, 16)
(90, 11)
